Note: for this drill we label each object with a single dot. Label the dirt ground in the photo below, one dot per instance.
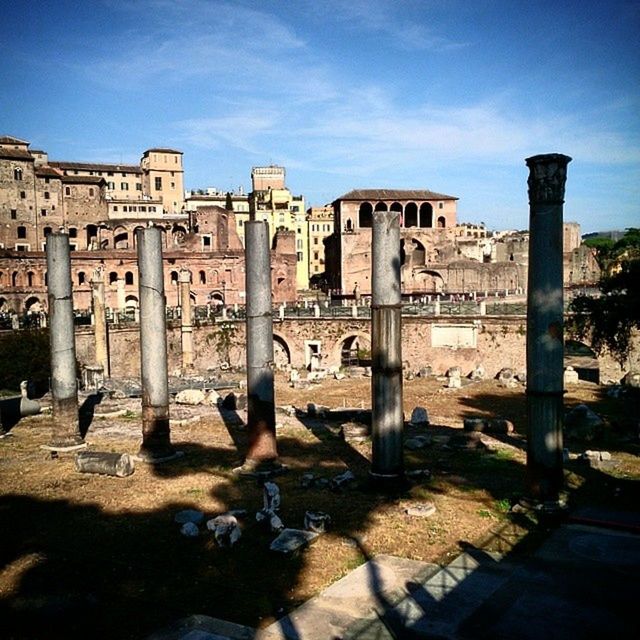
(96, 556)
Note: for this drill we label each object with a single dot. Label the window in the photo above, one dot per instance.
(124, 186)
(124, 175)
(173, 185)
(67, 191)
(113, 277)
(206, 241)
(300, 258)
(46, 195)
(43, 212)
(46, 231)
(128, 278)
(23, 194)
(203, 277)
(138, 186)
(111, 185)
(316, 255)
(73, 233)
(315, 241)
(158, 183)
(14, 214)
(46, 180)
(115, 207)
(109, 173)
(91, 191)
(22, 232)
(81, 277)
(17, 173)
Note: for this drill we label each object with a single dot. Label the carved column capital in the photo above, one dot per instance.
(547, 178)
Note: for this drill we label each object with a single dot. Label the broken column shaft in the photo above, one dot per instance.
(186, 324)
(545, 342)
(386, 336)
(100, 322)
(156, 442)
(261, 420)
(64, 385)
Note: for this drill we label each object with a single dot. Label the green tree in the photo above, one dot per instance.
(607, 322)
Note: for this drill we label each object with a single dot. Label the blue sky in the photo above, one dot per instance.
(447, 95)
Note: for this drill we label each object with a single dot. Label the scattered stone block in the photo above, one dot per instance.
(419, 417)
(581, 423)
(355, 431)
(339, 376)
(316, 521)
(409, 375)
(120, 465)
(189, 515)
(424, 372)
(190, 530)
(423, 510)
(291, 540)
(506, 378)
(598, 459)
(475, 424)
(453, 372)
(343, 479)
(191, 397)
(212, 398)
(419, 442)
(632, 379)
(478, 373)
(271, 496)
(317, 410)
(469, 440)
(226, 529)
(454, 383)
(571, 376)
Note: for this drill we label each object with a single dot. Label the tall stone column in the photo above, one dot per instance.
(64, 386)
(156, 442)
(186, 324)
(386, 337)
(545, 342)
(100, 336)
(262, 453)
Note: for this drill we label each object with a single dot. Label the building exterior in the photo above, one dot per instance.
(38, 197)
(320, 226)
(271, 200)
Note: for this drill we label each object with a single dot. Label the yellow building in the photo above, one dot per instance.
(163, 177)
(272, 201)
(320, 225)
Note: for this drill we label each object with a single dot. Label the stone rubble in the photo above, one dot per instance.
(190, 530)
(189, 515)
(341, 480)
(419, 417)
(317, 521)
(226, 529)
(419, 442)
(422, 510)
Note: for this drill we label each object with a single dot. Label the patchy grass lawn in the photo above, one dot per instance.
(97, 556)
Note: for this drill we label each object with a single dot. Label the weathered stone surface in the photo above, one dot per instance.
(417, 474)
(317, 521)
(317, 410)
(489, 425)
(339, 376)
(466, 440)
(190, 530)
(226, 529)
(422, 510)
(453, 372)
(419, 442)
(292, 540)
(199, 627)
(477, 373)
(506, 378)
(342, 479)
(419, 417)
(355, 431)
(190, 396)
(581, 423)
(475, 424)
(271, 497)
(571, 376)
(424, 372)
(212, 398)
(189, 515)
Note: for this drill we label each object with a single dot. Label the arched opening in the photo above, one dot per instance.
(365, 216)
(413, 252)
(203, 277)
(411, 215)
(131, 302)
(4, 305)
(193, 298)
(349, 225)
(583, 359)
(17, 173)
(429, 281)
(121, 240)
(14, 279)
(426, 216)
(355, 351)
(381, 206)
(174, 277)
(281, 352)
(135, 235)
(30, 278)
(216, 298)
(73, 232)
(92, 237)
(46, 231)
(81, 277)
(128, 278)
(178, 234)
(396, 206)
(113, 277)
(33, 305)
(442, 222)
(1, 277)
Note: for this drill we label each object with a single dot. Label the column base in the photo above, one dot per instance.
(157, 457)
(260, 468)
(387, 480)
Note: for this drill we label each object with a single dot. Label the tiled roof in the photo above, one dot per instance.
(89, 166)
(162, 150)
(48, 171)
(84, 179)
(394, 194)
(17, 154)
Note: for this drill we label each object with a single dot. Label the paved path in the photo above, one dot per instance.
(582, 583)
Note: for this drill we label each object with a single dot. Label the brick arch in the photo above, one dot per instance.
(346, 340)
(281, 351)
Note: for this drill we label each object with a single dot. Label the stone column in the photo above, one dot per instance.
(100, 328)
(186, 324)
(261, 422)
(64, 386)
(386, 337)
(545, 344)
(156, 442)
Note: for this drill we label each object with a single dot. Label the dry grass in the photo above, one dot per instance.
(84, 552)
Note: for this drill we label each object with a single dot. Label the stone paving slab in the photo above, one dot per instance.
(373, 586)
(200, 627)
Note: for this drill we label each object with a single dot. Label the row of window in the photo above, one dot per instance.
(132, 208)
(317, 227)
